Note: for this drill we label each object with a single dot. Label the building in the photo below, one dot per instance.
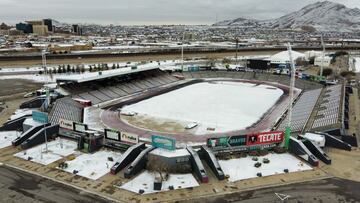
(49, 24)
(39, 27)
(177, 161)
(76, 29)
(24, 27)
(322, 61)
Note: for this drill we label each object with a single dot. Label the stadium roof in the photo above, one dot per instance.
(86, 77)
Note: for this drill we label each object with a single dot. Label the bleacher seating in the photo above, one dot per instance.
(329, 110)
(105, 90)
(282, 79)
(66, 108)
(301, 111)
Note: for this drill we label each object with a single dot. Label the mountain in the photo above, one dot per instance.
(239, 22)
(320, 16)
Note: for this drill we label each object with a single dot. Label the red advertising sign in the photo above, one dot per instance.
(265, 138)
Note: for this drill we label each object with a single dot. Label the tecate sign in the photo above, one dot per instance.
(131, 138)
(265, 138)
(66, 124)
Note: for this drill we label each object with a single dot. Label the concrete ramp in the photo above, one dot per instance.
(298, 148)
(138, 164)
(332, 141)
(213, 162)
(15, 124)
(317, 151)
(39, 137)
(197, 165)
(128, 157)
(27, 134)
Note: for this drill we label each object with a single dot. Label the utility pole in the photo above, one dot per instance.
(291, 95)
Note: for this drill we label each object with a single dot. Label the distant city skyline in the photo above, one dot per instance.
(149, 12)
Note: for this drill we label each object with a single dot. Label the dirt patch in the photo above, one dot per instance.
(147, 122)
(11, 87)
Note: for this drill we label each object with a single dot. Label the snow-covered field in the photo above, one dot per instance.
(225, 106)
(6, 138)
(243, 168)
(57, 149)
(145, 181)
(93, 166)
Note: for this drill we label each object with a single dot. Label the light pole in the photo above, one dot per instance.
(291, 95)
(47, 100)
(182, 50)
(323, 56)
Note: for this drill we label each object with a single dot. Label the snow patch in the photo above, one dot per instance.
(243, 168)
(92, 166)
(145, 181)
(6, 138)
(57, 150)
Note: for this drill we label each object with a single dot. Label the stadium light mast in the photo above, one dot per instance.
(292, 84)
(182, 50)
(237, 45)
(323, 56)
(47, 100)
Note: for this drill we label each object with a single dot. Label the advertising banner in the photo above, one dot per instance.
(233, 141)
(239, 140)
(40, 117)
(163, 142)
(131, 138)
(79, 127)
(66, 124)
(265, 138)
(112, 134)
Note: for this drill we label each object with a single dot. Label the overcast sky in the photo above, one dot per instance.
(126, 12)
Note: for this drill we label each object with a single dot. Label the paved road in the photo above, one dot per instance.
(330, 190)
(20, 187)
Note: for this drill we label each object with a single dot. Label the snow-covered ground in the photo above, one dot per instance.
(225, 106)
(243, 168)
(93, 166)
(145, 181)
(6, 138)
(57, 149)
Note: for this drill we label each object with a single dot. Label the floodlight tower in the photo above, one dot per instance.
(323, 56)
(182, 50)
(291, 95)
(47, 100)
(43, 56)
(237, 45)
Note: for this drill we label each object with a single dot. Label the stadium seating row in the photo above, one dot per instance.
(66, 108)
(301, 111)
(101, 91)
(282, 79)
(328, 113)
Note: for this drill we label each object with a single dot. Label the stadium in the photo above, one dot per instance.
(153, 117)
